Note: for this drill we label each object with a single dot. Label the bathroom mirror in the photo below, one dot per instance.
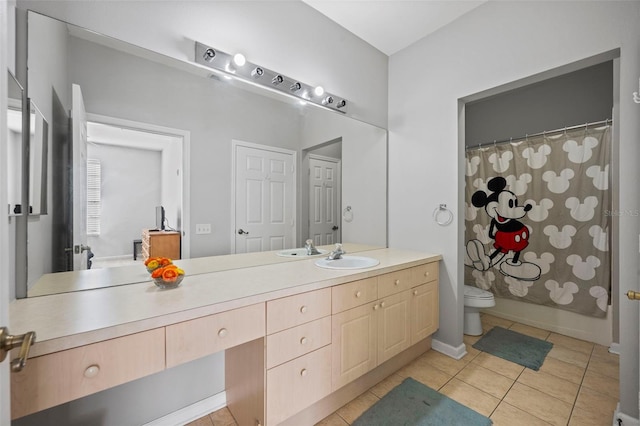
(14, 145)
(198, 116)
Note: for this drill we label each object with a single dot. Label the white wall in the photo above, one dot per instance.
(495, 44)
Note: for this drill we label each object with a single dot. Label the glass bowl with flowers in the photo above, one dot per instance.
(168, 276)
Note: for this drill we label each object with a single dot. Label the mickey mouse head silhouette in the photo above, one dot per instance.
(508, 233)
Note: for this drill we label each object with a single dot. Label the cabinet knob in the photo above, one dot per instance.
(358, 293)
(382, 305)
(303, 341)
(223, 332)
(415, 292)
(303, 372)
(303, 309)
(375, 307)
(426, 274)
(92, 371)
(397, 282)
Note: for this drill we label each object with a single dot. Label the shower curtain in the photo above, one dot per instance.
(537, 219)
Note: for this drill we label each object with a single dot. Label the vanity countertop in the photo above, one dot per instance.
(66, 320)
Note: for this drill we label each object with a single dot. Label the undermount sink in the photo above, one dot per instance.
(348, 262)
(299, 252)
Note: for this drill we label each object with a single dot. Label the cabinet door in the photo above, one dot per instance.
(394, 325)
(424, 311)
(353, 343)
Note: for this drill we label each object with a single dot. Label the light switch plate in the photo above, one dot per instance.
(203, 228)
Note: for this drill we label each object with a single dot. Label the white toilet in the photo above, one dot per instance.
(474, 300)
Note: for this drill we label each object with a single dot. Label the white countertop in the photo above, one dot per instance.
(67, 320)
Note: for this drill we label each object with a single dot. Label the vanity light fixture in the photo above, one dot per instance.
(257, 72)
(237, 66)
(209, 54)
(239, 59)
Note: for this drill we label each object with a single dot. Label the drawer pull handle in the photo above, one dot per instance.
(303, 341)
(415, 292)
(92, 371)
(303, 309)
(358, 293)
(396, 282)
(303, 372)
(223, 332)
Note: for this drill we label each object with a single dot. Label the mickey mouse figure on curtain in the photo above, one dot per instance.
(508, 233)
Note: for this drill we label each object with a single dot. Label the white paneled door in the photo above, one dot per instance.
(264, 198)
(324, 200)
(79, 137)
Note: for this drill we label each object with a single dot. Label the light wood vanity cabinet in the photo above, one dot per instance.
(64, 376)
(424, 311)
(160, 244)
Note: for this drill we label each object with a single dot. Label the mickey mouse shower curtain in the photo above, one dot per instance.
(538, 219)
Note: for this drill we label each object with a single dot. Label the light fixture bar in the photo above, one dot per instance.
(259, 75)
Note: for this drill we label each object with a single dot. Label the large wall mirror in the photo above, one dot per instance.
(165, 132)
(14, 145)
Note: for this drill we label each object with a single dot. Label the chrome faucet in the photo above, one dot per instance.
(311, 249)
(337, 253)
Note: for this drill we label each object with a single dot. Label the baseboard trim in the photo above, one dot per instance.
(192, 412)
(614, 348)
(626, 419)
(451, 351)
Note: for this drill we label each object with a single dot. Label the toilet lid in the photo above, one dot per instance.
(476, 293)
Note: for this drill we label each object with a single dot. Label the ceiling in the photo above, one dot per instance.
(392, 25)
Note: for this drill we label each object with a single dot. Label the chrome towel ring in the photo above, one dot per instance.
(442, 215)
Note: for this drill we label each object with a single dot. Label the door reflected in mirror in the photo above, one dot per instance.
(14, 145)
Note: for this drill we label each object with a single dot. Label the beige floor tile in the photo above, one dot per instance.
(571, 343)
(561, 389)
(508, 415)
(539, 404)
(485, 380)
(355, 408)
(426, 374)
(202, 421)
(382, 388)
(596, 402)
(332, 420)
(538, 333)
(443, 362)
(601, 383)
(489, 321)
(603, 352)
(581, 417)
(470, 340)
(222, 417)
(569, 355)
(499, 365)
(606, 366)
(471, 397)
(563, 370)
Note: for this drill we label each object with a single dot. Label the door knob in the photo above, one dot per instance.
(335, 227)
(8, 342)
(242, 231)
(633, 295)
(77, 249)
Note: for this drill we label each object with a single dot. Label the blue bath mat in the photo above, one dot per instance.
(515, 347)
(413, 404)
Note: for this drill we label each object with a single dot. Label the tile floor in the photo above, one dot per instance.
(577, 385)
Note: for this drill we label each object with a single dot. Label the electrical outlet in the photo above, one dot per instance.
(203, 228)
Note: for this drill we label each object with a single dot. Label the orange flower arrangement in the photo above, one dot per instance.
(153, 263)
(168, 273)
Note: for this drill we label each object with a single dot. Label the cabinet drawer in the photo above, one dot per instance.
(424, 273)
(63, 376)
(350, 295)
(297, 341)
(394, 282)
(293, 386)
(196, 338)
(299, 309)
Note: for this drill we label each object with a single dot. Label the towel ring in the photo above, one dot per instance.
(443, 208)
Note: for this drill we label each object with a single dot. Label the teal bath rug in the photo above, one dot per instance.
(515, 347)
(413, 404)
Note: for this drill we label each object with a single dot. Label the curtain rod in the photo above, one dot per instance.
(547, 132)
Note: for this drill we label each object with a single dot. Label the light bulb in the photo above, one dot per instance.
(328, 100)
(209, 54)
(239, 59)
(277, 79)
(319, 91)
(295, 87)
(341, 104)
(257, 72)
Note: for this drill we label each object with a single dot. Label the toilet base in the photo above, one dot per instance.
(472, 323)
